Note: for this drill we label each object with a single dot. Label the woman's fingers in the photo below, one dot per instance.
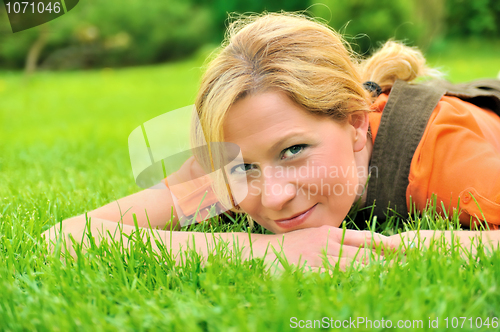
(326, 245)
(357, 239)
(415, 239)
(364, 238)
(360, 254)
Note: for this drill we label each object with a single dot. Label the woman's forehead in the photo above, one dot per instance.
(261, 124)
(264, 113)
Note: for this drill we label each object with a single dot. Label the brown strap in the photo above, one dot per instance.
(484, 93)
(401, 127)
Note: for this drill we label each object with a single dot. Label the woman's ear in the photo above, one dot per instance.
(359, 121)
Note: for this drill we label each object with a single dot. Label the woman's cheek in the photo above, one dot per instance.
(250, 204)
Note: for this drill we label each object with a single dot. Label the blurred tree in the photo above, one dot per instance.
(134, 32)
(128, 32)
(429, 16)
(221, 8)
(111, 33)
(35, 49)
(367, 23)
(480, 18)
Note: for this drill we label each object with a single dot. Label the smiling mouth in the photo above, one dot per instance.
(296, 219)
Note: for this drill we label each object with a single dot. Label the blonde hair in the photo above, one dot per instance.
(304, 58)
(394, 61)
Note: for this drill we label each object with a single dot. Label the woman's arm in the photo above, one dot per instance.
(468, 240)
(157, 203)
(301, 246)
(307, 246)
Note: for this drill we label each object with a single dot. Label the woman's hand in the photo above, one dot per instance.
(309, 246)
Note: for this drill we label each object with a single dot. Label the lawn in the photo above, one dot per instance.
(64, 151)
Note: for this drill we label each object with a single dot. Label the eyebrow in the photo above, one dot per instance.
(286, 138)
(283, 139)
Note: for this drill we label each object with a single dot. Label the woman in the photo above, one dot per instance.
(288, 92)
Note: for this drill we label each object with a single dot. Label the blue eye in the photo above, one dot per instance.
(241, 168)
(293, 150)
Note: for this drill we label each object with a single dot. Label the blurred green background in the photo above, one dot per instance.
(114, 33)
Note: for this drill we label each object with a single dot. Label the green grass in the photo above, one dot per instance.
(63, 144)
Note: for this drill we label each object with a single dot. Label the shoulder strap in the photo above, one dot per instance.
(484, 93)
(401, 127)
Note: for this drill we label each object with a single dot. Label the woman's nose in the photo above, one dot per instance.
(276, 192)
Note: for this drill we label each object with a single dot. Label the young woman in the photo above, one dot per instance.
(289, 93)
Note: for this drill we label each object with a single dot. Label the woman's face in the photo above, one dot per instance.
(302, 170)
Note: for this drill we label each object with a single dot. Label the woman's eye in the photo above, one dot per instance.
(241, 168)
(292, 151)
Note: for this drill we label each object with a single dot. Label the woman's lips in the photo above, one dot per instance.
(297, 220)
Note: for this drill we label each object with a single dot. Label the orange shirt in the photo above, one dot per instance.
(458, 157)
